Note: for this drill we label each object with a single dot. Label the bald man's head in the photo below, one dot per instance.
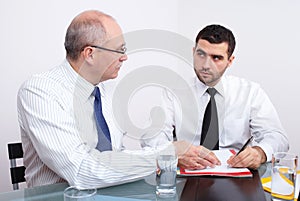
(86, 29)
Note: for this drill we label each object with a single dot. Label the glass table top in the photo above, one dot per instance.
(143, 189)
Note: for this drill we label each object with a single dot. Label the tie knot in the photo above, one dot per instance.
(211, 91)
(96, 93)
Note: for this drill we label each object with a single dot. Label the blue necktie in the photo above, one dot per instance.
(104, 141)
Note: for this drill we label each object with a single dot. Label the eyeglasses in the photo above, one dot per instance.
(121, 51)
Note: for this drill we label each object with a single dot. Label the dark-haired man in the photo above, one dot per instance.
(242, 109)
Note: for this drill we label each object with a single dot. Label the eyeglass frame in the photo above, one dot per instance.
(111, 50)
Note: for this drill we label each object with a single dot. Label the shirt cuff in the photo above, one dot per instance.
(267, 149)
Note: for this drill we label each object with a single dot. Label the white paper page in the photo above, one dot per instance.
(223, 155)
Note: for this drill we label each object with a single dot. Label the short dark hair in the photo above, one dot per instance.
(217, 34)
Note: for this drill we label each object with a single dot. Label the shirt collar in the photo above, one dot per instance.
(81, 87)
(201, 87)
(102, 89)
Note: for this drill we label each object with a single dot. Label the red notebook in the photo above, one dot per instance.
(223, 170)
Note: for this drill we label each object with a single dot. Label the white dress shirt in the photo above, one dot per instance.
(59, 134)
(243, 108)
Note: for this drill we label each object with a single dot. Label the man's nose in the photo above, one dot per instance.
(124, 57)
(207, 63)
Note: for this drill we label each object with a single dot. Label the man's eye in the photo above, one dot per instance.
(202, 54)
(217, 58)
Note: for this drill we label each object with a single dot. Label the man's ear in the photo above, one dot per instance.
(88, 54)
(230, 60)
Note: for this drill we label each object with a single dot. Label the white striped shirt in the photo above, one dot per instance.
(59, 135)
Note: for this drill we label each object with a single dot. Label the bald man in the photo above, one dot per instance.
(59, 130)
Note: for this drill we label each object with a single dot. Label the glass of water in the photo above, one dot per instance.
(284, 174)
(166, 176)
(73, 193)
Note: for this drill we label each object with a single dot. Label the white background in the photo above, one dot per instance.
(267, 34)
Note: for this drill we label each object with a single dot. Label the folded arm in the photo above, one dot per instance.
(49, 125)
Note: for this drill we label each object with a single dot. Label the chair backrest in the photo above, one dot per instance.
(17, 173)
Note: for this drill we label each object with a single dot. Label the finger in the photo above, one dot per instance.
(242, 160)
(230, 160)
(213, 159)
(185, 164)
(209, 156)
(203, 152)
(197, 162)
(235, 159)
(205, 163)
(190, 163)
(255, 159)
(200, 167)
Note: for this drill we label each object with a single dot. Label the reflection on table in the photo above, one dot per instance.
(188, 188)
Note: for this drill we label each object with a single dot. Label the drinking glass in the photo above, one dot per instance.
(284, 174)
(166, 177)
(73, 193)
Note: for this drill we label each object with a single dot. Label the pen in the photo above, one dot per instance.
(245, 145)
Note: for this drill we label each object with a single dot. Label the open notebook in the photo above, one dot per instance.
(222, 170)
